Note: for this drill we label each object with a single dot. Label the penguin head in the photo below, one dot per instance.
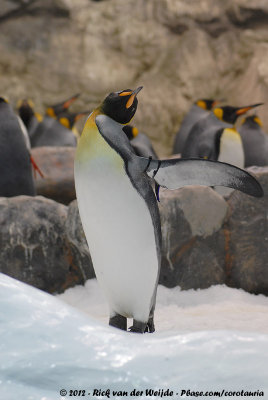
(130, 131)
(252, 120)
(69, 119)
(3, 100)
(57, 109)
(206, 104)
(121, 106)
(230, 114)
(25, 109)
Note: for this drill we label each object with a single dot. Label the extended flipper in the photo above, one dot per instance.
(176, 173)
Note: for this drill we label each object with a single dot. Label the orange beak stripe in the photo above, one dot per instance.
(125, 94)
(130, 100)
(243, 110)
(67, 103)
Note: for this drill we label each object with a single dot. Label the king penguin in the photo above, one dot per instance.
(199, 110)
(55, 110)
(30, 118)
(255, 141)
(204, 136)
(119, 211)
(140, 142)
(16, 176)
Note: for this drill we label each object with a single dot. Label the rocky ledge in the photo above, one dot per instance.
(207, 240)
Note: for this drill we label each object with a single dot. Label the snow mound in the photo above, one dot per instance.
(47, 346)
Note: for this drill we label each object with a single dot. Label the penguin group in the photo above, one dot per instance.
(210, 131)
(117, 192)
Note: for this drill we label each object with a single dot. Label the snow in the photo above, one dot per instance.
(218, 307)
(210, 339)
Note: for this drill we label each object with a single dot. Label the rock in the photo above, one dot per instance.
(193, 242)
(57, 166)
(246, 232)
(33, 243)
(77, 244)
(178, 50)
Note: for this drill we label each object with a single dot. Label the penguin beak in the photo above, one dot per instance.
(132, 97)
(243, 110)
(68, 102)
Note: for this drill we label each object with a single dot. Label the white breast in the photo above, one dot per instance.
(231, 152)
(120, 233)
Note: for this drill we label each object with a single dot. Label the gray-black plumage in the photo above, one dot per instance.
(16, 176)
(51, 132)
(199, 110)
(29, 117)
(255, 142)
(140, 142)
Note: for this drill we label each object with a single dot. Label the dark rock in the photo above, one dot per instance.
(77, 244)
(193, 243)
(57, 165)
(33, 243)
(246, 233)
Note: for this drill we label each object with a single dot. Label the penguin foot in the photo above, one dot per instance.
(118, 321)
(150, 328)
(138, 327)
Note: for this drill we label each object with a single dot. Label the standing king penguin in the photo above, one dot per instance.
(16, 176)
(119, 211)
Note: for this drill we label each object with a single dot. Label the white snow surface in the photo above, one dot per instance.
(210, 339)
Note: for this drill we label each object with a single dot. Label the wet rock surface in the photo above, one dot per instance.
(207, 240)
(34, 248)
(57, 166)
(246, 232)
(193, 245)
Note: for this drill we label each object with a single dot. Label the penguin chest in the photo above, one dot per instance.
(231, 148)
(231, 151)
(119, 231)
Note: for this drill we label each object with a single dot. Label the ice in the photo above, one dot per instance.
(47, 345)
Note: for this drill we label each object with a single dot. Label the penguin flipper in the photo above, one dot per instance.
(176, 173)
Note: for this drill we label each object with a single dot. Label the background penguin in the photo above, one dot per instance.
(55, 110)
(255, 141)
(201, 141)
(199, 109)
(16, 176)
(50, 132)
(69, 119)
(29, 117)
(140, 142)
(119, 211)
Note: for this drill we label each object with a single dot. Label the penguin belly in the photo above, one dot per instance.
(231, 152)
(120, 233)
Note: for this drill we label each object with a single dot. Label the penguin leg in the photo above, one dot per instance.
(138, 327)
(150, 324)
(118, 321)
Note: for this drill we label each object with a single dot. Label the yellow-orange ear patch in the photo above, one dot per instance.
(258, 121)
(135, 131)
(201, 104)
(218, 112)
(65, 122)
(50, 112)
